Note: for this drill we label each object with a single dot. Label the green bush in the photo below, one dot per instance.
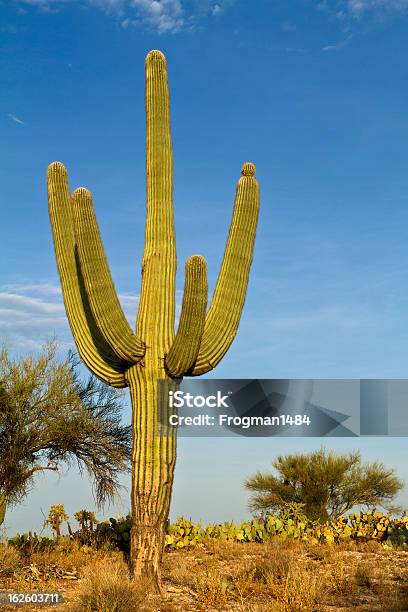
(28, 543)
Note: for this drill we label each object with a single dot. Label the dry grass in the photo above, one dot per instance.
(106, 587)
(68, 555)
(10, 559)
(282, 576)
(212, 588)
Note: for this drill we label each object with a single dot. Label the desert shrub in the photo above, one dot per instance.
(29, 543)
(106, 587)
(327, 484)
(10, 558)
(114, 533)
(301, 589)
(212, 588)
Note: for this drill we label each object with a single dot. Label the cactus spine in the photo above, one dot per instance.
(104, 339)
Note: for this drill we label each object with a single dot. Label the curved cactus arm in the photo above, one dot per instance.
(92, 348)
(185, 348)
(222, 320)
(99, 284)
(155, 319)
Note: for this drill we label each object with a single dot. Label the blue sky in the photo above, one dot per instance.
(315, 94)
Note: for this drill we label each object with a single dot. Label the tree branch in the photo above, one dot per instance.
(40, 468)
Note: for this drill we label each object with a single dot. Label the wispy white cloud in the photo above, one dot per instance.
(162, 16)
(356, 9)
(15, 119)
(32, 312)
(36, 288)
(339, 45)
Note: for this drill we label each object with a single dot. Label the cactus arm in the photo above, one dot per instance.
(99, 284)
(223, 317)
(155, 319)
(185, 348)
(92, 348)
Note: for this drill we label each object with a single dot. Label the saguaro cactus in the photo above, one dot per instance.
(106, 342)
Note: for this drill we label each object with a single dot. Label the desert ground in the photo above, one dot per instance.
(281, 575)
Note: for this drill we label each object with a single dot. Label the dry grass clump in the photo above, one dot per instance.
(275, 578)
(10, 558)
(364, 575)
(69, 554)
(180, 570)
(340, 578)
(297, 589)
(106, 587)
(212, 588)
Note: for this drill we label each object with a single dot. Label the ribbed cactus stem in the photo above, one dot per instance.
(92, 348)
(154, 458)
(221, 324)
(99, 284)
(186, 345)
(155, 320)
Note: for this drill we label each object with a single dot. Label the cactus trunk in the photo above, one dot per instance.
(143, 359)
(153, 462)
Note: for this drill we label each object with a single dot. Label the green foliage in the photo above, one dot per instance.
(290, 524)
(363, 527)
(294, 525)
(327, 484)
(397, 534)
(49, 417)
(56, 517)
(115, 532)
(28, 543)
(86, 519)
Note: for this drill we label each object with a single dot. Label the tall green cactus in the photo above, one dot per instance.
(104, 339)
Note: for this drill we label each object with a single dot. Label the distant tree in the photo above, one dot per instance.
(50, 417)
(56, 516)
(327, 484)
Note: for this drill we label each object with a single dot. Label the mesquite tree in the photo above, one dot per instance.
(154, 353)
(50, 417)
(327, 484)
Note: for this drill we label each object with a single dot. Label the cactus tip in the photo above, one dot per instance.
(197, 260)
(81, 192)
(155, 55)
(57, 167)
(248, 169)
